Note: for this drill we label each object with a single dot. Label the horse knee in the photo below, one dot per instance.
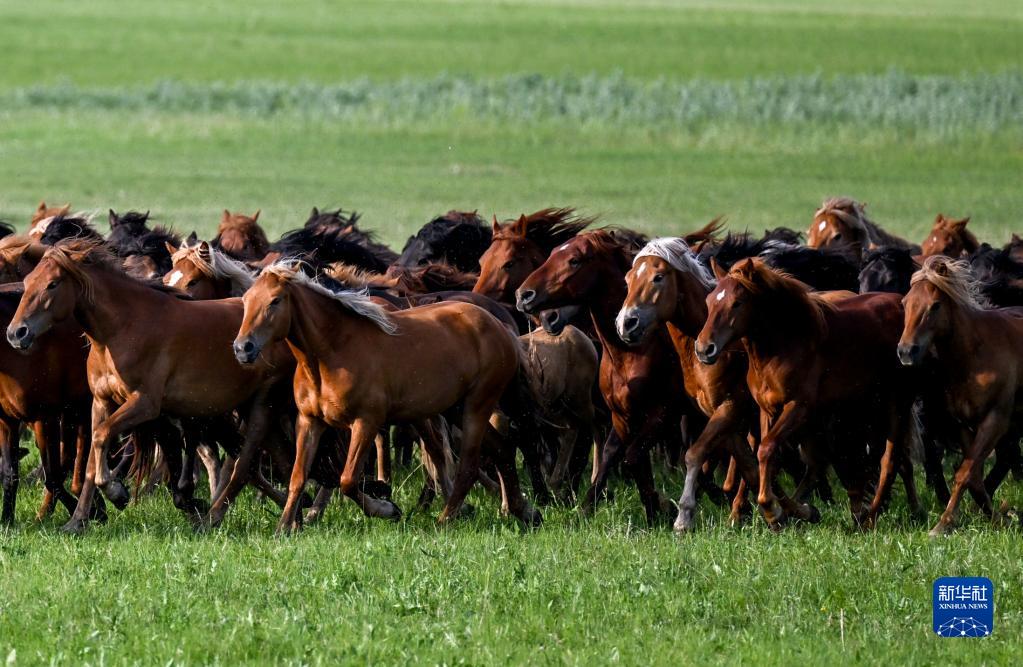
(349, 485)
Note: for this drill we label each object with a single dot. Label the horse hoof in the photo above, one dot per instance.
(395, 513)
(813, 515)
(375, 488)
(532, 518)
(684, 522)
(940, 530)
(288, 529)
(117, 494)
(74, 527)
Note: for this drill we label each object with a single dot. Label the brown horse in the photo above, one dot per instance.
(152, 353)
(978, 356)
(43, 214)
(950, 237)
(19, 254)
(816, 364)
(668, 286)
(47, 388)
(205, 273)
(635, 381)
(842, 224)
(241, 237)
(362, 367)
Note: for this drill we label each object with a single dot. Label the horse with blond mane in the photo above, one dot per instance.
(977, 354)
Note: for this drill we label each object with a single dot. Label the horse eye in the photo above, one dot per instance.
(574, 262)
(838, 236)
(191, 283)
(658, 278)
(508, 265)
(274, 301)
(52, 285)
(935, 307)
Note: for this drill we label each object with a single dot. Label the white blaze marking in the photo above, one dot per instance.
(563, 247)
(820, 227)
(175, 277)
(642, 268)
(721, 295)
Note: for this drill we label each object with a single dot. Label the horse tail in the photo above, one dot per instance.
(708, 232)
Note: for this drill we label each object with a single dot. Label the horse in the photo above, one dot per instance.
(205, 273)
(950, 237)
(1000, 276)
(812, 361)
(589, 271)
(977, 353)
(152, 351)
(348, 228)
(125, 228)
(458, 238)
(841, 223)
(19, 254)
(148, 256)
(46, 388)
(62, 227)
(42, 214)
(362, 367)
(405, 281)
(1015, 248)
(317, 247)
(518, 247)
(241, 237)
(887, 269)
(668, 286)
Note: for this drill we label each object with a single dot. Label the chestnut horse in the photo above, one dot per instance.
(152, 352)
(812, 361)
(362, 367)
(241, 237)
(669, 286)
(637, 382)
(978, 356)
(842, 224)
(43, 214)
(47, 388)
(19, 254)
(950, 237)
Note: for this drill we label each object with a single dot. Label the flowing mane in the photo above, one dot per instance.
(214, 264)
(357, 302)
(71, 255)
(15, 246)
(954, 278)
(547, 228)
(65, 226)
(677, 253)
(761, 280)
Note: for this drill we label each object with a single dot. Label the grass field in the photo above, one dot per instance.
(620, 108)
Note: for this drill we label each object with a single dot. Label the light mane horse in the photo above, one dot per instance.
(204, 272)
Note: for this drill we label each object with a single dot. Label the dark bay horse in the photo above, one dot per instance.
(152, 353)
(978, 356)
(361, 367)
(812, 359)
(950, 237)
(668, 286)
(457, 238)
(638, 383)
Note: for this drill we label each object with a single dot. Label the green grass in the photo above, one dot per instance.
(655, 114)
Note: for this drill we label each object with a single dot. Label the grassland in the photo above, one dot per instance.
(186, 112)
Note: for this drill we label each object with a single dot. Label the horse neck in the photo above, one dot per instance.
(783, 326)
(116, 303)
(691, 311)
(604, 302)
(315, 314)
(959, 342)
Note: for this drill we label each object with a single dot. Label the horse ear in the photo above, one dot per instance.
(1016, 238)
(938, 219)
(746, 267)
(497, 225)
(226, 217)
(255, 216)
(170, 247)
(315, 212)
(719, 272)
(112, 217)
(520, 226)
(41, 207)
(204, 251)
(146, 216)
(960, 225)
(64, 210)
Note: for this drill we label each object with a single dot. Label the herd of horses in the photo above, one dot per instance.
(743, 362)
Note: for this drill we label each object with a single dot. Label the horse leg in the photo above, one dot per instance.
(896, 455)
(210, 460)
(721, 423)
(1007, 457)
(319, 506)
(791, 417)
(241, 472)
(610, 454)
(308, 430)
(934, 453)
(90, 504)
(383, 444)
(473, 428)
(990, 431)
(47, 434)
(363, 436)
(106, 427)
(637, 460)
(9, 466)
(508, 476)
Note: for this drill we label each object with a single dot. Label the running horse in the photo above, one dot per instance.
(977, 354)
(241, 237)
(841, 223)
(817, 365)
(950, 237)
(362, 367)
(152, 352)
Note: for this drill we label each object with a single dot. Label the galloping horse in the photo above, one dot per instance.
(241, 237)
(668, 285)
(19, 254)
(950, 237)
(152, 352)
(842, 223)
(812, 359)
(362, 367)
(457, 238)
(43, 214)
(205, 273)
(979, 363)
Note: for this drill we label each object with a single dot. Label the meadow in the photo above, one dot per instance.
(654, 114)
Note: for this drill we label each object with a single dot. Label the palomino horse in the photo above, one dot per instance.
(978, 358)
(152, 353)
(363, 367)
(44, 387)
(842, 223)
(812, 360)
(668, 285)
(241, 237)
(951, 238)
(636, 382)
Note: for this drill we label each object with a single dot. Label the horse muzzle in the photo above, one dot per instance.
(245, 351)
(909, 354)
(707, 353)
(20, 336)
(525, 300)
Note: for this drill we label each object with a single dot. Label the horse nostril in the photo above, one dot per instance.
(248, 346)
(631, 323)
(21, 332)
(527, 296)
(710, 350)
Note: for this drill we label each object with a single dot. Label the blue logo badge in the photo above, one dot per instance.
(963, 607)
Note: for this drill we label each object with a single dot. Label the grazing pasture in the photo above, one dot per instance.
(656, 115)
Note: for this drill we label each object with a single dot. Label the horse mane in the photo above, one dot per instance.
(335, 218)
(17, 245)
(457, 238)
(356, 277)
(74, 253)
(319, 245)
(854, 214)
(548, 228)
(901, 259)
(706, 234)
(357, 302)
(59, 227)
(759, 279)
(215, 264)
(346, 227)
(677, 253)
(431, 278)
(619, 244)
(820, 268)
(6, 229)
(954, 278)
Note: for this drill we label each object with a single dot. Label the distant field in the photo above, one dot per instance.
(655, 114)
